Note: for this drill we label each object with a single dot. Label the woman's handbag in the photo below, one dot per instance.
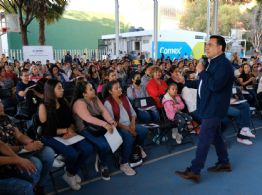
(143, 103)
(95, 130)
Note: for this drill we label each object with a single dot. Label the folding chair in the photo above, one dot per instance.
(166, 128)
(144, 104)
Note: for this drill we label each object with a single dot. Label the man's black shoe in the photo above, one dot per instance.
(188, 174)
(220, 168)
(104, 173)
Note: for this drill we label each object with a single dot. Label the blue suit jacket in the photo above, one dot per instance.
(216, 88)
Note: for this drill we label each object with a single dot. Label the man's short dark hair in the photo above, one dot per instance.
(220, 41)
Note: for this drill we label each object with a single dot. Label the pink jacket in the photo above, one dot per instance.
(171, 107)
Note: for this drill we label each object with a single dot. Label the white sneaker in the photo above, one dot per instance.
(127, 169)
(247, 132)
(174, 133)
(244, 141)
(58, 163)
(60, 157)
(71, 181)
(143, 153)
(179, 138)
(97, 163)
(78, 179)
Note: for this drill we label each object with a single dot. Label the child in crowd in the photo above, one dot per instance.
(173, 105)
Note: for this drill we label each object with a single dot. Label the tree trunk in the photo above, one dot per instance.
(42, 31)
(24, 34)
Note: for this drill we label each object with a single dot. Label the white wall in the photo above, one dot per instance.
(4, 44)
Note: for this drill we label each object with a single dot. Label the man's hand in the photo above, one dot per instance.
(200, 67)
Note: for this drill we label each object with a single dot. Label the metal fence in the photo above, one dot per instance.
(91, 54)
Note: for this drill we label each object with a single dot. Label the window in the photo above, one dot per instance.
(137, 46)
(199, 37)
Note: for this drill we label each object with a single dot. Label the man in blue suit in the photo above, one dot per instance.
(213, 97)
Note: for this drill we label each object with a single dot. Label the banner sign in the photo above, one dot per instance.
(38, 53)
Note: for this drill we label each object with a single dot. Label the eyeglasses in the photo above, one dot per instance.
(211, 44)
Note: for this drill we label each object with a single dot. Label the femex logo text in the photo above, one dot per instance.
(176, 51)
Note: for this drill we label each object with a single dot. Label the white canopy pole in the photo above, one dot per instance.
(215, 31)
(155, 30)
(117, 27)
(208, 19)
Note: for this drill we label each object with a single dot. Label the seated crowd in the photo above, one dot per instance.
(90, 98)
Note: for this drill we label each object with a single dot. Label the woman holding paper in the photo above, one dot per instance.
(89, 111)
(133, 135)
(57, 122)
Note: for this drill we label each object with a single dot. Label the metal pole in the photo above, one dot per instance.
(245, 48)
(117, 27)
(155, 29)
(215, 31)
(208, 19)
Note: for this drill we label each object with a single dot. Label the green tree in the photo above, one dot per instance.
(195, 16)
(48, 11)
(254, 26)
(229, 17)
(25, 11)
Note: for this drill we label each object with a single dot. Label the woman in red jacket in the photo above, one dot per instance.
(156, 86)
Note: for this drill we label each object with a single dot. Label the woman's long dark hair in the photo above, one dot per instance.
(109, 87)
(80, 88)
(50, 103)
(49, 93)
(90, 70)
(51, 70)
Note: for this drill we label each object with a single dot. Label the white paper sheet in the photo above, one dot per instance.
(239, 102)
(114, 140)
(23, 151)
(245, 92)
(146, 108)
(143, 103)
(70, 141)
(151, 125)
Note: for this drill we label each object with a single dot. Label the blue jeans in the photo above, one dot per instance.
(241, 112)
(34, 178)
(148, 115)
(46, 157)
(210, 132)
(100, 144)
(16, 186)
(129, 140)
(75, 155)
